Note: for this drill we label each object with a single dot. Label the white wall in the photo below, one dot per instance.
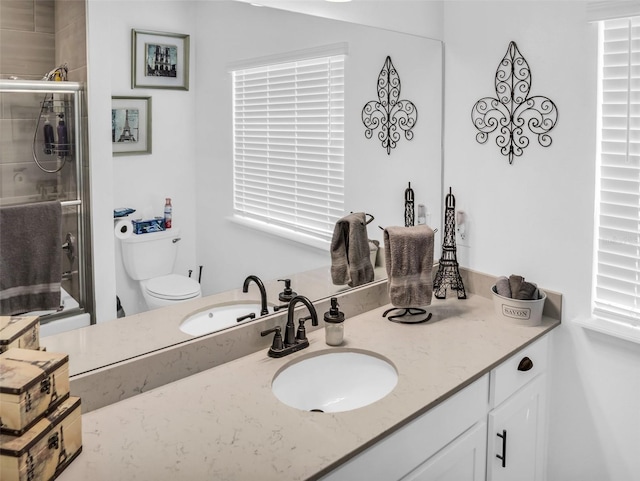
(535, 217)
(192, 129)
(422, 17)
(374, 181)
(139, 181)
(101, 170)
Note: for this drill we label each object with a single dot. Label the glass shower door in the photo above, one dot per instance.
(44, 159)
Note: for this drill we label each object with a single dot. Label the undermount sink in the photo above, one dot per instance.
(335, 381)
(218, 318)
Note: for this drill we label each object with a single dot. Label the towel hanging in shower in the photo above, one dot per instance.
(30, 257)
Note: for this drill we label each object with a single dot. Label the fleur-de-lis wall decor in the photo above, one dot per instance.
(513, 109)
(389, 113)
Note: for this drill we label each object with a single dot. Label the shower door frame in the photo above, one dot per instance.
(82, 198)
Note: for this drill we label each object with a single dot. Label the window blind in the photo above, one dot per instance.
(288, 131)
(617, 280)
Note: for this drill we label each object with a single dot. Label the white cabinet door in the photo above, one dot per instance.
(398, 454)
(462, 460)
(516, 435)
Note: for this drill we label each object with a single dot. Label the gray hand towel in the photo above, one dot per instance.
(515, 282)
(503, 287)
(517, 288)
(528, 291)
(30, 257)
(350, 259)
(409, 262)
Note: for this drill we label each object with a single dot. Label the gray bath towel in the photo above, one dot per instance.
(350, 260)
(30, 257)
(409, 262)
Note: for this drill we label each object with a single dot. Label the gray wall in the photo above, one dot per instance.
(27, 38)
(37, 35)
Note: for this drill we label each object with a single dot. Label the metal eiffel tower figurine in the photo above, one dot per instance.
(448, 273)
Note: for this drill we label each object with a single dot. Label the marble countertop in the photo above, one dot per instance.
(225, 423)
(122, 358)
(92, 347)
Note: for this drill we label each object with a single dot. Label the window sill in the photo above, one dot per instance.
(611, 328)
(281, 232)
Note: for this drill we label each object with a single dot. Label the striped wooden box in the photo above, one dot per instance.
(46, 449)
(32, 383)
(19, 331)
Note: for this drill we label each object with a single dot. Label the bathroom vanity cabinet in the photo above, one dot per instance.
(458, 386)
(463, 459)
(517, 420)
(422, 443)
(492, 429)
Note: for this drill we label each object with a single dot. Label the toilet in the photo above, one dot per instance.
(149, 259)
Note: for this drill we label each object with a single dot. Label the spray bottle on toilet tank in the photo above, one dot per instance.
(168, 209)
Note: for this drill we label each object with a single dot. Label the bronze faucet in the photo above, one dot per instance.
(292, 341)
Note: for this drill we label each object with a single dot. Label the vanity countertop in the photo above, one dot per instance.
(225, 423)
(92, 347)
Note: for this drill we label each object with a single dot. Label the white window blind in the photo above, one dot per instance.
(288, 131)
(617, 281)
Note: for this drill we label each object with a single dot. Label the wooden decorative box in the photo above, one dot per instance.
(46, 449)
(32, 383)
(19, 331)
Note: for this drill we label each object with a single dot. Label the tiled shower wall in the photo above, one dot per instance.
(27, 38)
(38, 35)
(35, 37)
(71, 37)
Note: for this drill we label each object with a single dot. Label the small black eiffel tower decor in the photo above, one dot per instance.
(448, 274)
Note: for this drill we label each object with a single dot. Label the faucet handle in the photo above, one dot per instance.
(277, 344)
(301, 335)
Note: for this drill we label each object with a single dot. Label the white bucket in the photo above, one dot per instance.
(523, 312)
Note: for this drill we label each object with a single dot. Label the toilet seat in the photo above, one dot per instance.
(173, 287)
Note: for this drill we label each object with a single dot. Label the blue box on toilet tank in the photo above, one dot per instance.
(150, 225)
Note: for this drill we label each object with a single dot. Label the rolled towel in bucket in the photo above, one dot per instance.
(528, 291)
(502, 286)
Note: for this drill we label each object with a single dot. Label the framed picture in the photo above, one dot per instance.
(131, 125)
(159, 60)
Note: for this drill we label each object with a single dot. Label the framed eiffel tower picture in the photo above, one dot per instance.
(131, 125)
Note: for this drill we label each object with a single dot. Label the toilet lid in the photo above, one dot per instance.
(173, 286)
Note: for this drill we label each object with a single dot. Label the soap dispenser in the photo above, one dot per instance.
(334, 324)
(287, 294)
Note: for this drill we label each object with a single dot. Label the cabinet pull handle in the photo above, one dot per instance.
(504, 448)
(525, 365)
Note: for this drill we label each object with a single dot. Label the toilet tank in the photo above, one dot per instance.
(150, 255)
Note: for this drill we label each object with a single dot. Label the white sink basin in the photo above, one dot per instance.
(218, 318)
(335, 381)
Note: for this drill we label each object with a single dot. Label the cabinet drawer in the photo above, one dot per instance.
(516, 371)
